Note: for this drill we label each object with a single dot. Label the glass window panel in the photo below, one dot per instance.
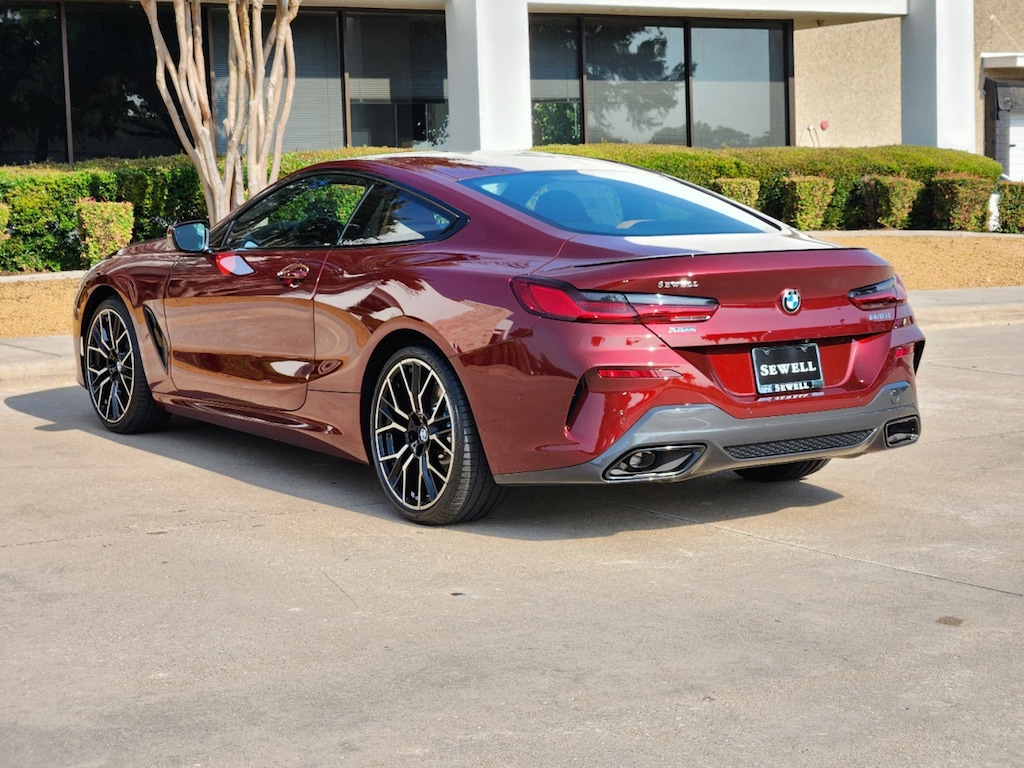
(32, 118)
(307, 213)
(391, 215)
(621, 202)
(636, 83)
(116, 109)
(555, 80)
(398, 70)
(317, 118)
(739, 88)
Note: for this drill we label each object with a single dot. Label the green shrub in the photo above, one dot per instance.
(1011, 207)
(103, 228)
(889, 200)
(805, 200)
(743, 191)
(700, 166)
(846, 166)
(43, 221)
(961, 201)
(5, 216)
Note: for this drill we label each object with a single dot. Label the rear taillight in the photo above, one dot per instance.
(556, 300)
(884, 295)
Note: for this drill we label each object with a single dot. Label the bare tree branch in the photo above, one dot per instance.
(258, 100)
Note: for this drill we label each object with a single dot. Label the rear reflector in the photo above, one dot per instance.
(638, 373)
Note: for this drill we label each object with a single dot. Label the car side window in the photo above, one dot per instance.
(391, 215)
(310, 212)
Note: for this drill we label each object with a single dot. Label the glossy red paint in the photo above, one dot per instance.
(288, 342)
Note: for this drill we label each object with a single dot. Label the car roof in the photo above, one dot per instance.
(460, 166)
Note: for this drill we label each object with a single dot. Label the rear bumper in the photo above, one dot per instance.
(693, 440)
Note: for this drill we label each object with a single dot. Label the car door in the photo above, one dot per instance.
(240, 316)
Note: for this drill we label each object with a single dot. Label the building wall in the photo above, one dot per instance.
(849, 75)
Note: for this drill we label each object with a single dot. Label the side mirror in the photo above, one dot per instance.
(190, 236)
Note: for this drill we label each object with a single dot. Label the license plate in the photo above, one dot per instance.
(787, 369)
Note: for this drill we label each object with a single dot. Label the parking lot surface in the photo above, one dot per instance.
(198, 597)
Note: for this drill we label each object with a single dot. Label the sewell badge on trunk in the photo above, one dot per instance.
(787, 369)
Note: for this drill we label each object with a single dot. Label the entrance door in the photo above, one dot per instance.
(1015, 162)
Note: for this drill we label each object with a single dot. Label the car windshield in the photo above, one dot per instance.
(623, 203)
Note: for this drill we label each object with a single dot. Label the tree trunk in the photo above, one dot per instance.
(260, 88)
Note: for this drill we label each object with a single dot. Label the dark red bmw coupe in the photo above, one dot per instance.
(469, 322)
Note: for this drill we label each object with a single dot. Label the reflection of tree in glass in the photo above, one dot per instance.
(621, 55)
(30, 80)
(556, 122)
(321, 200)
(114, 93)
(714, 137)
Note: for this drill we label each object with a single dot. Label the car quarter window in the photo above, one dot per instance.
(391, 215)
(310, 212)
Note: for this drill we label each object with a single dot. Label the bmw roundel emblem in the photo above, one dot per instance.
(791, 300)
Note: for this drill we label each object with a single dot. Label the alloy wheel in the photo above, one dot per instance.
(412, 434)
(110, 365)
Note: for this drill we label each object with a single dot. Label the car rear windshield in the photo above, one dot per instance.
(625, 203)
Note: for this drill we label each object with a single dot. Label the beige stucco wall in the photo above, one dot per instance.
(848, 74)
(1004, 35)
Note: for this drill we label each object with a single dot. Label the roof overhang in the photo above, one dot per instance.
(1002, 61)
(804, 13)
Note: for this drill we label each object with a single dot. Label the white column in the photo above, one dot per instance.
(488, 74)
(937, 39)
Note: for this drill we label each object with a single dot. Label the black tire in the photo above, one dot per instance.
(777, 473)
(424, 443)
(114, 374)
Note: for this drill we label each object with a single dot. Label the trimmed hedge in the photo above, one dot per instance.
(889, 200)
(743, 191)
(846, 166)
(42, 200)
(805, 200)
(5, 216)
(43, 222)
(961, 201)
(103, 228)
(1011, 207)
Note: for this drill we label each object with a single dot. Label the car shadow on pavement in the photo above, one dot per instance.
(528, 513)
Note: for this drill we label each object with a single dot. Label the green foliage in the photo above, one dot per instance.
(5, 216)
(743, 191)
(846, 167)
(805, 199)
(1011, 207)
(556, 122)
(103, 228)
(701, 166)
(43, 221)
(889, 200)
(961, 201)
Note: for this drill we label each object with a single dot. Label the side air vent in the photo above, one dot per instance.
(157, 334)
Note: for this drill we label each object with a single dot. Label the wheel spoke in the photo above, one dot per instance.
(429, 487)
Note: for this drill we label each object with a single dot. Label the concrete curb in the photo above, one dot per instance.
(38, 357)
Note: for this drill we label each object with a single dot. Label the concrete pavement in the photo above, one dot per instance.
(54, 356)
(198, 596)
